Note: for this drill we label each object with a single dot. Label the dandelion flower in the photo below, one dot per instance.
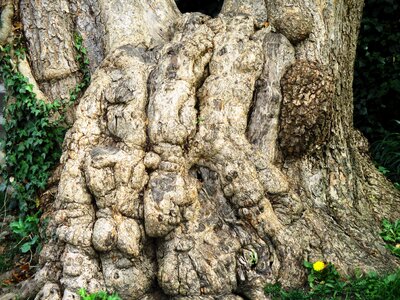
(319, 266)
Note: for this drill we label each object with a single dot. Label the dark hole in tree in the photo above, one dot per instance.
(208, 7)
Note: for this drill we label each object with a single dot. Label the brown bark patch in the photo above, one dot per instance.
(308, 91)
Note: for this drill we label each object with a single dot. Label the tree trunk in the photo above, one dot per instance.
(209, 156)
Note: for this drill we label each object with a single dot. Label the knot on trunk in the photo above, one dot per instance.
(293, 20)
(307, 90)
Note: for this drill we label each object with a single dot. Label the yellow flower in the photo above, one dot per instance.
(397, 245)
(319, 266)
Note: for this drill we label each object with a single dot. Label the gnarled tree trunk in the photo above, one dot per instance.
(208, 156)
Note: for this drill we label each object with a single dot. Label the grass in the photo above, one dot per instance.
(369, 286)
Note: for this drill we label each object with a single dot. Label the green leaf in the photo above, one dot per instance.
(21, 147)
(26, 247)
(307, 264)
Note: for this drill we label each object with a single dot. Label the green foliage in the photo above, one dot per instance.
(328, 275)
(27, 232)
(33, 138)
(377, 69)
(97, 296)
(34, 135)
(377, 83)
(83, 62)
(391, 235)
(32, 145)
(363, 287)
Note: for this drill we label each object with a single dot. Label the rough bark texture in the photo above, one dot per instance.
(7, 13)
(202, 143)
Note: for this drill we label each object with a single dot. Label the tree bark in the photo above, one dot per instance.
(202, 143)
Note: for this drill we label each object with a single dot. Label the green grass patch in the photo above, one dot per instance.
(101, 295)
(369, 286)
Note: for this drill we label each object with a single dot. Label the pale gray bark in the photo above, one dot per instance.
(203, 141)
(7, 13)
(49, 30)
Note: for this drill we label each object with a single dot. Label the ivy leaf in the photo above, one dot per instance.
(21, 147)
(28, 245)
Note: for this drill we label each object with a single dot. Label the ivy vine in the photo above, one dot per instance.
(32, 144)
(83, 63)
(34, 136)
